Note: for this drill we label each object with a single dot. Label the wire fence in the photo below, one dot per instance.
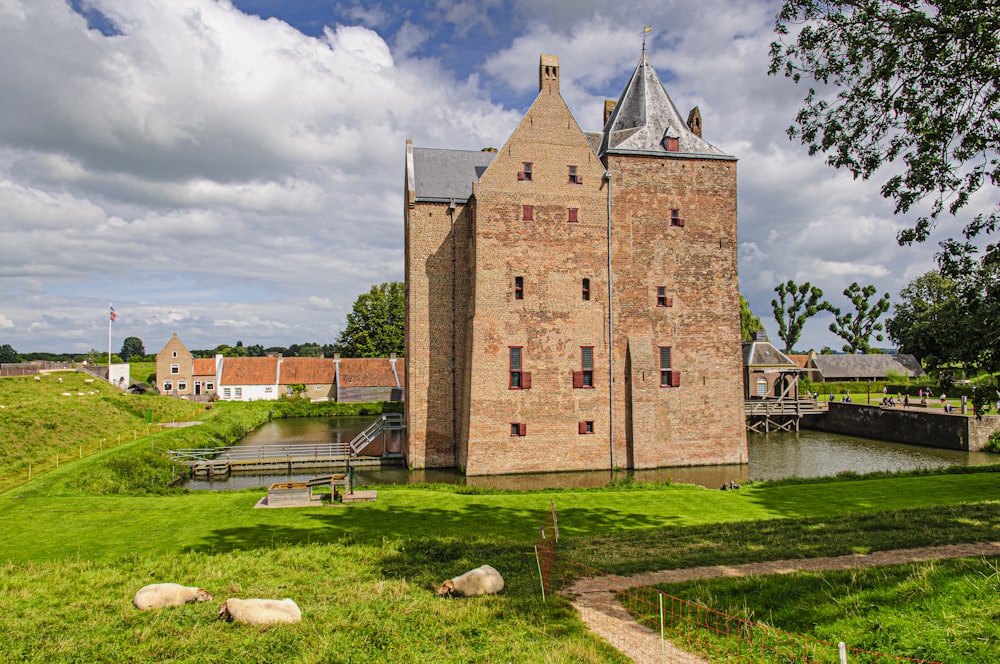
(649, 625)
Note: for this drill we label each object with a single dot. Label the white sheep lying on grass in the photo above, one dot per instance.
(480, 581)
(158, 595)
(260, 611)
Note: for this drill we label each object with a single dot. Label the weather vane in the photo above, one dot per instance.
(645, 31)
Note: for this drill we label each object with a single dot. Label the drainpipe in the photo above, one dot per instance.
(611, 337)
(454, 315)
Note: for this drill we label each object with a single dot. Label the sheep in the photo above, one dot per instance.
(260, 611)
(481, 581)
(158, 595)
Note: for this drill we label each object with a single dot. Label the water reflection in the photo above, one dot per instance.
(772, 456)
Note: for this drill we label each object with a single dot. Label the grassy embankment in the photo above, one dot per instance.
(82, 538)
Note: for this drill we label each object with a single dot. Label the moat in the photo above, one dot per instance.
(777, 455)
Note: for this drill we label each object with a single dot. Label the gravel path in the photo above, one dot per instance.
(594, 598)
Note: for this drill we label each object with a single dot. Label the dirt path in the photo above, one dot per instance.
(594, 598)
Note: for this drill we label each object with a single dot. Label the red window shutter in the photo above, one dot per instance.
(525, 380)
(577, 379)
(522, 428)
(675, 378)
(680, 222)
(572, 214)
(528, 213)
(583, 427)
(670, 301)
(520, 175)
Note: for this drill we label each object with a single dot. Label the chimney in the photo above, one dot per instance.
(609, 108)
(548, 73)
(694, 121)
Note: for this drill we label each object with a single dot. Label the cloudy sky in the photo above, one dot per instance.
(233, 169)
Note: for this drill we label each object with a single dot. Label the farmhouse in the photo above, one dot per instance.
(572, 298)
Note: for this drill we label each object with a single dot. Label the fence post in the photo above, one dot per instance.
(842, 647)
(663, 653)
(541, 579)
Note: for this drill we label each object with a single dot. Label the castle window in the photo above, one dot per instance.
(585, 377)
(586, 427)
(528, 212)
(519, 380)
(574, 178)
(586, 289)
(525, 175)
(168, 385)
(668, 376)
(518, 288)
(572, 215)
(661, 297)
(671, 144)
(675, 218)
(518, 429)
(182, 386)
(175, 368)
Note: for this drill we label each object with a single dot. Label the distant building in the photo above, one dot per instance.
(832, 368)
(181, 375)
(767, 372)
(572, 298)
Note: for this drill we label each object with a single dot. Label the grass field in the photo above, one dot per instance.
(79, 540)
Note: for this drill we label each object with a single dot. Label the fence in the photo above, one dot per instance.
(650, 625)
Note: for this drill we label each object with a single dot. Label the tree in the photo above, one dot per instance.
(132, 347)
(916, 86)
(857, 328)
(928, 320)
(8, 355)
(375, 324)
(806, 301)
(749, 323)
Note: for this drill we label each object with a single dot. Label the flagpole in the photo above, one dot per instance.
(111, 319)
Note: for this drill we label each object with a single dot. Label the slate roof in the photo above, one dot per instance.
(645, 115)
(370, 372)
(307, 370)
(204, 367)
(836, 367)
(249, 371)
(445, 175)
(764, 354)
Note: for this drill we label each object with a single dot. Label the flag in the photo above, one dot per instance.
(646, 29)
(113, 314)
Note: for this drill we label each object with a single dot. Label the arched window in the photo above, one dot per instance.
(762, 387)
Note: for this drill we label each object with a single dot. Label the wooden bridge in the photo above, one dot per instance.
(779, 414)
(302, 456)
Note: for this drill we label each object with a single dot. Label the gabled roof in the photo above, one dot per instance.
(645, 115)
(370, 372)
(763, 354)
(445, 175)
(307, 370)
(801, 361)
(866, 366)
(249, 371)
(204, 367)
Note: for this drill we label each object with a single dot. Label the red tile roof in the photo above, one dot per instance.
(203, 367)
(370, 372)
(249, 371)
(800, 360)
(307, 370)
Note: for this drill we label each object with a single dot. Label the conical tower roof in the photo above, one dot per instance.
(645, 117)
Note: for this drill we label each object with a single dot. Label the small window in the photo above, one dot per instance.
(586, 427)
(671, 144)
(517, 429)
(525, 174)
(226, 392)
(519, 380)
(518, 288)
(668, 376)
(209, 385)
(574, 177)
(661, 297)
(182, 386)
(173, 354)
(586, 289)
(268, 389)
(675, 218)
(238, 392)
(572, 215)
(528, 212)
(762, 387)
(168, 385)
(585, 377)
(175, 368)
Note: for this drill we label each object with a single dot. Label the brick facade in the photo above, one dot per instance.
(507, 259)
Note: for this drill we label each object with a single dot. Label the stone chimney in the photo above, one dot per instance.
(548, 73)
(694, 121)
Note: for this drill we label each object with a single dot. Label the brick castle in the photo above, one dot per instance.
(572, 298)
